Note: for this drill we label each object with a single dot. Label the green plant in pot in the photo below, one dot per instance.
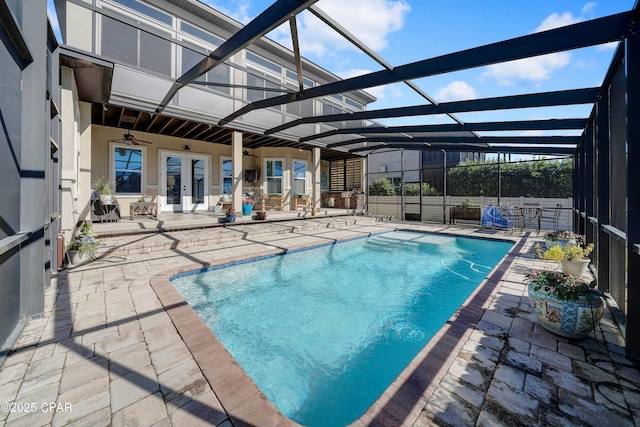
(83, 248)
(103, 186)
(563, 303)
(573, 257)
(562, 237)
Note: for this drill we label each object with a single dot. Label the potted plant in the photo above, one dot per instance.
(103, 186)
(465, 210)
(563, 303)
(562, 238)
(247, 204)
(230, 214)
(146, 198)
(83, 248)
(261, 214)
(573, 257)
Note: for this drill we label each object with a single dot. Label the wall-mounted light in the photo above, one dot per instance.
(187, 148)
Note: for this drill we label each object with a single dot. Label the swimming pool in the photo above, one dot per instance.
(323, 332)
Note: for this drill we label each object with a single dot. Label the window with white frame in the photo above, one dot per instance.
(273, 176)
(227, 176)
(299, 177)
(128, 168)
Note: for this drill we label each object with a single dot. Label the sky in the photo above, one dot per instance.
(405, 31)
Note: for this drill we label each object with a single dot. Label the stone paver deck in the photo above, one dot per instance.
(117, 346)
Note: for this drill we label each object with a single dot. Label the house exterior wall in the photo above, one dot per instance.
(141, 83)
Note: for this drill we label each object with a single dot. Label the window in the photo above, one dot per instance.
(227, 176)
(201, 34)
(299, 108)
(127, 169)
(258, 95)
(147, 10)
(135, 47)
(299, 177)
(219, 74)
(274, 176)
(272, 66)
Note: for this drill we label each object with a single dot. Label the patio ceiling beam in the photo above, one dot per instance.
(467, 139)
(549, 124)
(293, 27)
(272, 17)
(583, 34)
(543, 99)
(369, 52)
(470, 148)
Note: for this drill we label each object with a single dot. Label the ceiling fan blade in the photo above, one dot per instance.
(138, 141)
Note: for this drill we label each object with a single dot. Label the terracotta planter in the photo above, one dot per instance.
(261, 215)
(577, 267)
(571, 319)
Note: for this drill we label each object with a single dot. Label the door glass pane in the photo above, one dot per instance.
(174, 180)
(197, 182)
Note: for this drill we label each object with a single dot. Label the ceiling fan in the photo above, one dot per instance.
(129, 139)
(247, 154)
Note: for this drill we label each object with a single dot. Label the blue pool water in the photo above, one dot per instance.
(324, 331)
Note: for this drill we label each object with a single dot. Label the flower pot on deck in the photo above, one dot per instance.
(246, 209)
(569, 318)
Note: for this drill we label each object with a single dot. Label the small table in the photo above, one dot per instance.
(139, 208)
(301, 202)
(273, 202)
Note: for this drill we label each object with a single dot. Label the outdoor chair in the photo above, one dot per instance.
(554, 217)
(511, 217)
(531, 213)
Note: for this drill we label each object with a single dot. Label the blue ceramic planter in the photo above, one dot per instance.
(231, 217)
(571, 319)
(246, 209)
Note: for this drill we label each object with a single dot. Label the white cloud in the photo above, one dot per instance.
(240, 13)
(371, 21)
(455, 91)
(534, 69)
(539, 68)
(556, 20)
(587, 9)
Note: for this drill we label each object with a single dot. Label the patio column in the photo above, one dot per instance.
(315, 158)
(236, 159)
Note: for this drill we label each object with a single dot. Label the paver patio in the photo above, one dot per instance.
(111, 349)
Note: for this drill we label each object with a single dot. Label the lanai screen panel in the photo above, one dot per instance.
(618, 188)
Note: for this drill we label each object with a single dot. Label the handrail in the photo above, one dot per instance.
(613, 231)
(12, 241)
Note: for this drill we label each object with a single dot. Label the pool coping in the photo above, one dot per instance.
(402, 401)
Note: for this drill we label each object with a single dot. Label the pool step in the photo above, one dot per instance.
(133, 244)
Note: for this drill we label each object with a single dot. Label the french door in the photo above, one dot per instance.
(184, 182)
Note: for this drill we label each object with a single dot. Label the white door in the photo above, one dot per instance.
(184, 182)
